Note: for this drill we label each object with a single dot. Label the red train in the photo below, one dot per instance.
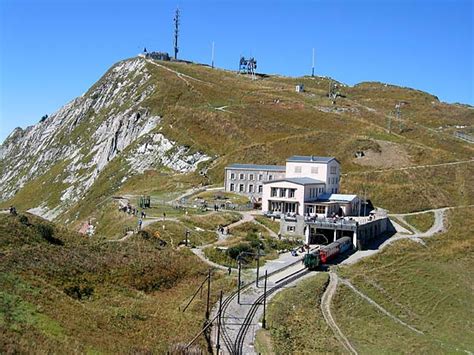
(327, 253)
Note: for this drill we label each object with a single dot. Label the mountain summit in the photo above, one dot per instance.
(181, 119)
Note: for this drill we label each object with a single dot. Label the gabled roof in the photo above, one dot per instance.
(336, 197)
(281, 168)
(297, 180)
(311, 159)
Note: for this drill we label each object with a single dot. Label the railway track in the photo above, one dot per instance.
(229, 344)
(237, 346)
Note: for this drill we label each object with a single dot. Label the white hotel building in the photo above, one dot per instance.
(306, 185)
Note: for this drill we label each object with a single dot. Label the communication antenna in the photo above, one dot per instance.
(312, 68)
(212, 61)
(398, 114)
(176, 33)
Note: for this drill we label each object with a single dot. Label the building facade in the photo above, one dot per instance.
(290, 188)
(248, 179)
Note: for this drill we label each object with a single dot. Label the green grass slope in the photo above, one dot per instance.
(429, 287)
(61, 292)
(235, 119)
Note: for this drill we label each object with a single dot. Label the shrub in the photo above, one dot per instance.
(233, 252)
(79, 293)
(47, 232)
(24, 220)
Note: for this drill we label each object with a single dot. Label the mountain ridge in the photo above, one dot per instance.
(180, 118)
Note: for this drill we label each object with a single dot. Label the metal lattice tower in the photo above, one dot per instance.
(176, 33)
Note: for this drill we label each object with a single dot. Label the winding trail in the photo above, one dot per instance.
(379, 307)
(437, 227)
(326, 300)
(409, 167)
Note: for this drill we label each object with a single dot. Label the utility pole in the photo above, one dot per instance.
(208, 293)
(176, 33)
(264, 321)
(398, 113)
(212, 61)
(187, 237)
(258, 265)
(312, 68)
(219, 320)
(238, 285)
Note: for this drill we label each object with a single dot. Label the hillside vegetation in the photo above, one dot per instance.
(429, 287)
(231, 118)
(61, 292)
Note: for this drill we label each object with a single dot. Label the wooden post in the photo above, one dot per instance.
(219, 319)
(258, 265)
(264, 321)
(208, 293)
(238, 285)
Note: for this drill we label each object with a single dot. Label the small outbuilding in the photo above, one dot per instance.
(300, 88)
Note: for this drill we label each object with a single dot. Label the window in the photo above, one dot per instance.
(320, 209)
(290, 228)
(282, 192)
(241, 188)
(260, 177)
(297, 169)
(241, 176)
(291, 192)
(314, 170)
(270, 177)
(273, 192)
(250, 188)
(260, 189)
(232, 176)
(251, 177)
(232, 187)
(333, 169)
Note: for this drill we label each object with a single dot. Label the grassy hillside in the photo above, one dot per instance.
(235, 119)
(429, 287)
(296, 323)
(265, 121)
(61, 292)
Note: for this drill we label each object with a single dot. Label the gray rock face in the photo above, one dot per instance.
(86, 134)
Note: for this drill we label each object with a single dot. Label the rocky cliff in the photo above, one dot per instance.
(77, 142)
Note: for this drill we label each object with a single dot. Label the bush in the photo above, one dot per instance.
(233, 252)
(47, 232)
(79, 293)
(24, 220)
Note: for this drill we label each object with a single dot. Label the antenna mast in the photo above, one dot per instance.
(312, 68)
(212, 62)
(176, 33)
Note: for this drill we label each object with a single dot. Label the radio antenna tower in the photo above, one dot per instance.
(176, 33)
(398, 113)
(312, 68)
(212, 61)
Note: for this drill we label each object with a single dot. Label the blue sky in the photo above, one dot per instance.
(53, 50)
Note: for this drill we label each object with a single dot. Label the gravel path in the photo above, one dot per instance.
(379, 307)
(326, 309)
(437, 227)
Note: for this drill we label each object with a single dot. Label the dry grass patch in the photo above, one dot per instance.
(421, 221)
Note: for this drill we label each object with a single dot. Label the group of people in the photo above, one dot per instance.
(132, 210)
